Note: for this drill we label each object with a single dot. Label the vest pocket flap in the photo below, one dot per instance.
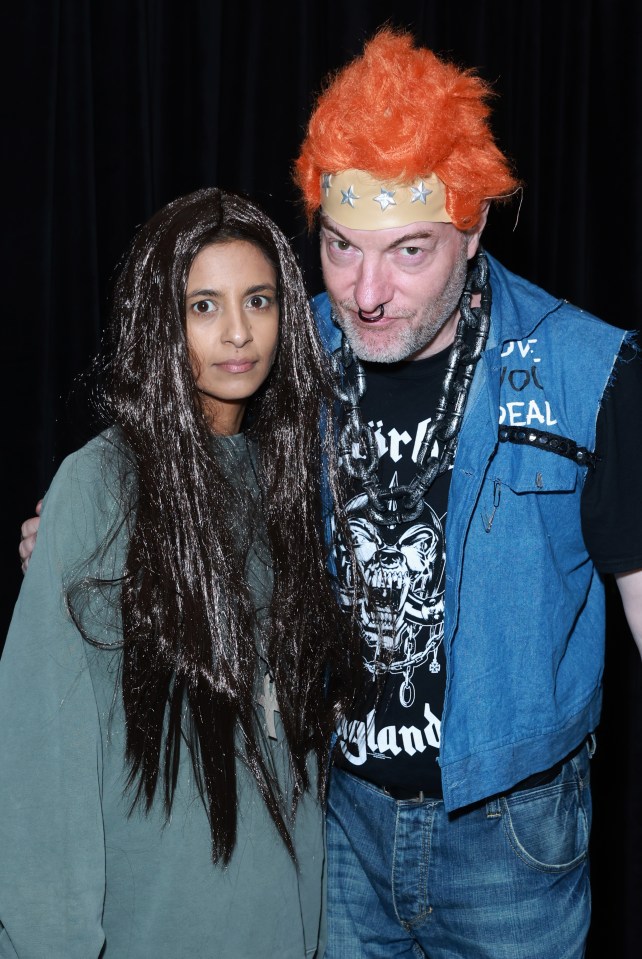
(529, 470)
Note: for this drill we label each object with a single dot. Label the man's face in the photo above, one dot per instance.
(416, 272)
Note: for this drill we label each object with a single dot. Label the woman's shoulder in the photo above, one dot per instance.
(101, 457)
(98, 469)
(87, 495)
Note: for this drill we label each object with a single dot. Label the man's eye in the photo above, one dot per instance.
(411, 250)
(340, 245)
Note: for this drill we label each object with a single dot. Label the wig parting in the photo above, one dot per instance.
(400, 112)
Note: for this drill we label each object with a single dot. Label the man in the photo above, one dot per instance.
(491, 477)
(482, 503)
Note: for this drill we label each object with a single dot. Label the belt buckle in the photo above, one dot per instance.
(419, 798)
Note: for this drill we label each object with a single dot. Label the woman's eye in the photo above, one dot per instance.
(259, 302)
(203, 306)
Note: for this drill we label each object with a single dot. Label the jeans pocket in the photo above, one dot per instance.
(548, 826)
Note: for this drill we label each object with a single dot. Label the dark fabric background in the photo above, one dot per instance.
(111, 108)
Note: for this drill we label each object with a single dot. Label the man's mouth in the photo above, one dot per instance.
(369, 319)
(367, 316)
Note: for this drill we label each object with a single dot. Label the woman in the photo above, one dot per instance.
(163, 687)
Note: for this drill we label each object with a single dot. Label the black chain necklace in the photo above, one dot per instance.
(357, 443)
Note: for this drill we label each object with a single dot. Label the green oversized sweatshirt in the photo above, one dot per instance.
(80, 877)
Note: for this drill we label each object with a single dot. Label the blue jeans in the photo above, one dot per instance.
(503, 879)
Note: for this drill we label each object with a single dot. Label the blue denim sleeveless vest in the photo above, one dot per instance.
(524, 618)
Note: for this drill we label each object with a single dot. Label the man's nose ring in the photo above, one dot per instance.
(372, 319)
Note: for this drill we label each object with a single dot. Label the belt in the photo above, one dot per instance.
(405, 794)
(539, 779)
(411, 795)
(548, 775)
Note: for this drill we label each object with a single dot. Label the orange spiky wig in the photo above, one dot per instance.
(400, 112)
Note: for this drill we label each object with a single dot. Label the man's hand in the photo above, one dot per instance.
(630, 586)
(28, 533)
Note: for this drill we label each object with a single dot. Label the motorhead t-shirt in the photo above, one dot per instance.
(394, 741)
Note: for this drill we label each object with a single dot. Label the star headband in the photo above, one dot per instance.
(355, 199)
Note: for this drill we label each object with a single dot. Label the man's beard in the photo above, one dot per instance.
(403, 341)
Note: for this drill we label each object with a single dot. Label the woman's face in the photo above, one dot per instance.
(232, 328)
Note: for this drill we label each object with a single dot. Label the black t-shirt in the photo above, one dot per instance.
(612, 495)
(397, 744)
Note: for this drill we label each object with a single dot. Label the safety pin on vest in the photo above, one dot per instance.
(497, 492)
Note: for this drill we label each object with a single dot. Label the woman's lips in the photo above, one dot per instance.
(236, 366)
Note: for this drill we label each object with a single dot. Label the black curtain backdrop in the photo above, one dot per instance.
(114, 107)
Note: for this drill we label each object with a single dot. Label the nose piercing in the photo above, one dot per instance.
(372, 319)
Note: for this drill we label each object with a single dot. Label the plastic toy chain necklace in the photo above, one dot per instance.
(403, 504)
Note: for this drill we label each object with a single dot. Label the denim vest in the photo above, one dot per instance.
(524, 617)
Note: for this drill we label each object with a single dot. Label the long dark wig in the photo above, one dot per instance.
(189, 625)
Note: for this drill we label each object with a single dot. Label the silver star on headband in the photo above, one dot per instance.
(420, 192)
(325, 182)
(385, 198)
(348, 196)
